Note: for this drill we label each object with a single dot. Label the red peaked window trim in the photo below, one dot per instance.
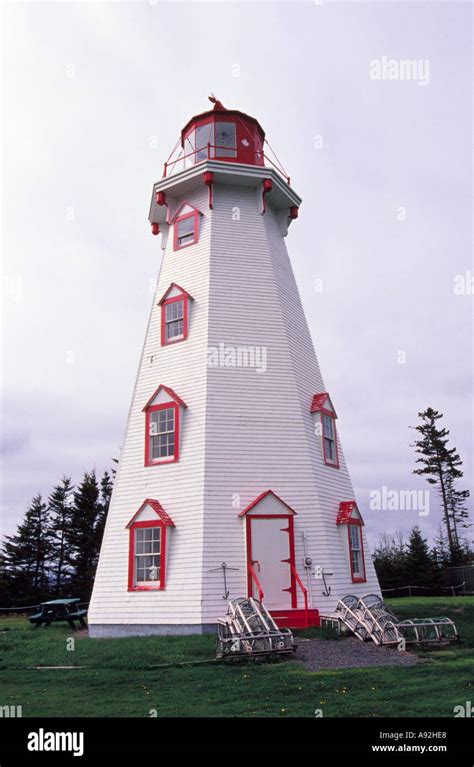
(175, 404)
(260, 498)
(318, 403)
(175, 299)
(163, 521)
(356, 523)
(179, 289)
(345, 512)
(169, 391)
(193, 214)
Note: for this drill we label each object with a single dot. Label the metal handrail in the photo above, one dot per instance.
(256, 152)
(305, 592)
(257, 582)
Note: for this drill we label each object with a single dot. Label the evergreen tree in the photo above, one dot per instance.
(420, 567)
(82, 536)
(389, 561)
(60, 508)
(442, 466)
(27, 553)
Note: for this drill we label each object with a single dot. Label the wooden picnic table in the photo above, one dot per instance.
(59, 610)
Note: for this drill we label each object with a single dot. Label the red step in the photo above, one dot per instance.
(295, 619)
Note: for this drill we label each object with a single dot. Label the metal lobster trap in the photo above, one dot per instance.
(368, 617)
(248, 629)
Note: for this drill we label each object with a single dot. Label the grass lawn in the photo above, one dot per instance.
(119, 677)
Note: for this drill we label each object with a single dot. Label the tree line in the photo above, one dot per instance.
(55, 549)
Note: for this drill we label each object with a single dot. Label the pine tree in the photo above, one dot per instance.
(60, 508)
(441, 466)
(81, 538)
(27, 553)
(420, 567)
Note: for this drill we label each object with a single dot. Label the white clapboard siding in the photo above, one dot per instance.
(243, 431)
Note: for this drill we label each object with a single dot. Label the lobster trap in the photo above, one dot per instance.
(248, 629)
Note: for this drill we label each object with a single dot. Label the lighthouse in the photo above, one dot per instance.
(232, 480)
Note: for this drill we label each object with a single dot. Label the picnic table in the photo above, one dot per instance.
(59, 610)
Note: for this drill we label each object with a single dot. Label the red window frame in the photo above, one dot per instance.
(153, 409)
(183, 337)
(356, 578)
(328, 414)
(154, 586)
(193, 214)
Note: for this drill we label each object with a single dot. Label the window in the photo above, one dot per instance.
(147, 554)
(329, 439)
(174, 314)
(162, 427)
(204, 136)
(225, 140)
(186, 230)
(148, 531)
(162, 433)
(174, 320)
(356, 552)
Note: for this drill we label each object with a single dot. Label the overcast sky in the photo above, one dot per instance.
(94, 97)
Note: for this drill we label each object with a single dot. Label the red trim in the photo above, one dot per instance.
(208, 178)
(157, 508)
(294, 212)
(291, 549)
(169, 392)
(260, 497)
(175, 456)
(180, 207)
(356, 523)
(178, 287)
(194, 214)
(131, 557)
(267, 187)
(318, 404)
(344, 514)
(164, 304)
(155, 229)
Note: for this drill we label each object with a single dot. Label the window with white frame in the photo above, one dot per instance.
(356, 553)
(174, 320)
(162, 433)
(147, 554)
(329, 439)
(186, 230)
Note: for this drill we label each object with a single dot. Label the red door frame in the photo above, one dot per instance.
(291, 547)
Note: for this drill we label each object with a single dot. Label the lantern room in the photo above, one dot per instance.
(223, 134)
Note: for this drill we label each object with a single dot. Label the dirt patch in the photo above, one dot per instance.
(349, 652)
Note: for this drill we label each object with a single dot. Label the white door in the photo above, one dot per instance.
(270, 544)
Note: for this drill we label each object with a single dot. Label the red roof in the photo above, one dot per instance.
(318, 402)
(219, 108)
(158, 508)
(260, 498)
(345, 512)
(178, 287)
(170, 393)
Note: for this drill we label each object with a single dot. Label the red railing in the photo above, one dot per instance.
(305, 593)
(256, 154)
(253, 575)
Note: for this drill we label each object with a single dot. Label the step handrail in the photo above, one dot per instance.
(305, 593)
(253, 575)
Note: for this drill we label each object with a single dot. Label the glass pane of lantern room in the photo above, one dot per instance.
(225, 140)
(189, 147)
(204, 136)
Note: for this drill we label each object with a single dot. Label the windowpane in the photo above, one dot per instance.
(225, 140)
(328, 427)
(185, 232)
(147, 562)
(204, 136)
(162, 426)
